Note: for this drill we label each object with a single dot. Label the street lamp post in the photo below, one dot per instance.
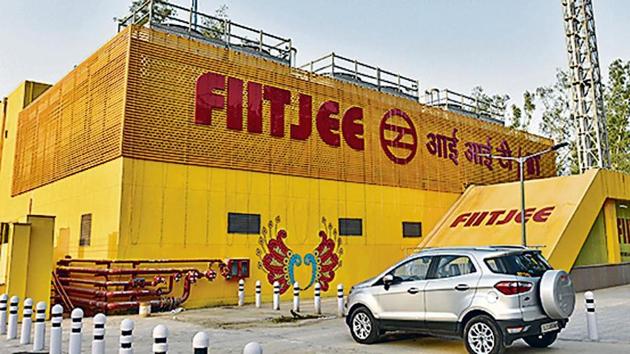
(521, 162)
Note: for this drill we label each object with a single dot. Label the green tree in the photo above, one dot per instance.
(557, 123)
(528, 108)
(160, 11)
(521, 118)
(515, 118)
(490, 104)
(215, 28)
(617, 105)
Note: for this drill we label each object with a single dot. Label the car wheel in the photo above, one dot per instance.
(541, 341)
(482, 335)
(363, 326)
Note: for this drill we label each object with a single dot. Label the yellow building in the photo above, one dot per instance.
(165, 147)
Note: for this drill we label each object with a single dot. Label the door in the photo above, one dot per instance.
(449, 291)
(403, 300)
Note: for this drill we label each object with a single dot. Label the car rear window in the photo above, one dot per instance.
(528, 264)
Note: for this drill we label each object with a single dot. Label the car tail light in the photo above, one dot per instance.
(513, 287)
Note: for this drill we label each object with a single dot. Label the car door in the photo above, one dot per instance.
(403, 300)
(449, 290)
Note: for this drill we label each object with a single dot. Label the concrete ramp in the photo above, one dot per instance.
(560, 212)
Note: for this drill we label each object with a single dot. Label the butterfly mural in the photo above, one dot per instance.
(279, 261)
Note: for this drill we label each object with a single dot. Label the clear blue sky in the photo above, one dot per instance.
(506, 46)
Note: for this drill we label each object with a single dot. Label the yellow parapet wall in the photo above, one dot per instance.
(560, 213)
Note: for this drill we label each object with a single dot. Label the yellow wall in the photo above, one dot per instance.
(178, 211)
(577, 201)
(18, 260)
(95, 191)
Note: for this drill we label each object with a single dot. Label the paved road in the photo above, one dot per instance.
(231, 328)
(612, 306)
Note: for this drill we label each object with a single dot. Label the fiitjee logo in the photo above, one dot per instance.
(239, 99)
(501, 217)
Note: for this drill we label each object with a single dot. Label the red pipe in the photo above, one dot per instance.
(100, 283)
(114, 293)
(67, 261)
(123, 271)
(102, 299)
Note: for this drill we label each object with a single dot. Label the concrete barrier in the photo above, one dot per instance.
(76, 335)
(13, 317)
(591, 316)
(98, 334)
(3, 313)
(56, 331)
(27, 321)
(160, 339)
(340, 304)
(200, 343)
(40, 327)
(126, 336)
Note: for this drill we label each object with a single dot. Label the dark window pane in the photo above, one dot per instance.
(243, 223)
(350, 227)
(4, 232)
(412, 229)
(453, 266)
(529, 264)
(86, 230)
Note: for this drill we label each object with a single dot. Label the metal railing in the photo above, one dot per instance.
(363, 74)
(467, 105)
(187, 21)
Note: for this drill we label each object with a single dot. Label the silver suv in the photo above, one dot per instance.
(489, 296)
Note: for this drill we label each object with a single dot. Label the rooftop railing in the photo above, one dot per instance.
(467, 105)
(366, 75)
(187, 21)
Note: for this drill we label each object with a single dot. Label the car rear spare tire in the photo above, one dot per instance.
(557, 294)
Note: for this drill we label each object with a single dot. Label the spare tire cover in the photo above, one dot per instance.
(557, 294)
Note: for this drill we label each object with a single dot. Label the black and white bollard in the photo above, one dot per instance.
(126, 337)
(317, 301)
(276, 295)
(252, 348)
(200, 343)
(258, 293)
(39, 328)
(74, 344)
(241, 292)
(296, 297)
(591, 317)
(340, 310)
(56, 317)
(160, 339)
(98, 333)
(27, 321)
(3, 313)
(13, 317)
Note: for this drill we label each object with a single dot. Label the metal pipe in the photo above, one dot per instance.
(521, 162)
(66, 261)
(99, 283)
(123, 271)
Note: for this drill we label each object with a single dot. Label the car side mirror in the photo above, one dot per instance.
(388, 279)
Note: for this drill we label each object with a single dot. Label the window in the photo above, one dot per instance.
(243, 223)
(350, 227)
(415, 269)
(4, 233)
(527, 264)
(453, 266)
(412, 229)
(86, 230)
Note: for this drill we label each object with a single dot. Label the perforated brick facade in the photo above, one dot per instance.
(77, 124)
